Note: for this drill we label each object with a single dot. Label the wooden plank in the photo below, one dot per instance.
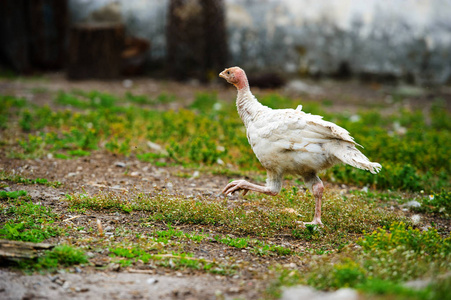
(18, 249)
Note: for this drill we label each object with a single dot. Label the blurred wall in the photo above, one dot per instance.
(408, 39)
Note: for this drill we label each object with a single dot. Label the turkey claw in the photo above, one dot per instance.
(234, 186)
(315, 222)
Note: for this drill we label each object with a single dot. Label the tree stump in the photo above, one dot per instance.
(196, 39)
(95, 50)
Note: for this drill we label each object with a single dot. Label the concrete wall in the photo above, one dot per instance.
(403, 38)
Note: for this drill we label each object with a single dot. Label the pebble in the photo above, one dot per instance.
(8, 189)
(152, 280)
(120, 164)
(66, 285)
(169, 185)
(413, 203)
(127, 83)
(306, 292)
(415, 219)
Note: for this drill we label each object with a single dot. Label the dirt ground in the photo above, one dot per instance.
(107, 172)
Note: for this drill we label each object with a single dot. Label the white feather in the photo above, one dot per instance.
(291, 141)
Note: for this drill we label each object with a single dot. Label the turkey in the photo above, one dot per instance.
(288, 141)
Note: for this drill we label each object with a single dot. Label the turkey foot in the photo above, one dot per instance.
(246, 186)
(315, 222)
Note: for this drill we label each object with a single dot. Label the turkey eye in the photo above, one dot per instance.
(228, 72)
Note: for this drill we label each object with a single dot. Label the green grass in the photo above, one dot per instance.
(344, 216)
(384, 260)
(209, 134)
(126, 255)
(60, 256)
(7, 176)
(23, 220)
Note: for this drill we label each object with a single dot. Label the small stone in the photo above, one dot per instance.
(169, 185)
(134, 174)
(66, 285)
(8, 189)
(195, 175)
(114, 267)
(59, 282)
(413, 203)
(415, 219)
(90, 254)
(151, 280)
(71, 174)
(109, 228)
(78, 270)
(120, 164)
(155, 147)
(127, 83)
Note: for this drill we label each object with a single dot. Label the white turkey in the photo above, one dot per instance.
(288, 141)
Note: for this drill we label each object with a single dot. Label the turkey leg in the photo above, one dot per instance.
(317, 190)
(246, 186)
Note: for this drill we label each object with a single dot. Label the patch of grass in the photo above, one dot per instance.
(4, 175)
(240, 243)
(127, 255)
(379, 265)
(60, 256)
(12, 194)
(343, 216)
(396, 254)
(26, 221)
(439, 203)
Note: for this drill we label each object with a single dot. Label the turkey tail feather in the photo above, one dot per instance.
(351, 156)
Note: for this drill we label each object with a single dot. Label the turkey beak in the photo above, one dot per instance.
(222, 74)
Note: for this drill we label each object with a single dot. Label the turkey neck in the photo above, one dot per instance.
(247, 105)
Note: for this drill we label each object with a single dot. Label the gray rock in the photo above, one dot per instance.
(120, 164)
(306, 292)
(109, 228)
(299, 292)
(413, 203)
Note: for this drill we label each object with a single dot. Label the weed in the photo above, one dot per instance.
(12, 194)
(19, 179)
(28, 222)
(397, 255)
(437, 203)
(62, 255)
